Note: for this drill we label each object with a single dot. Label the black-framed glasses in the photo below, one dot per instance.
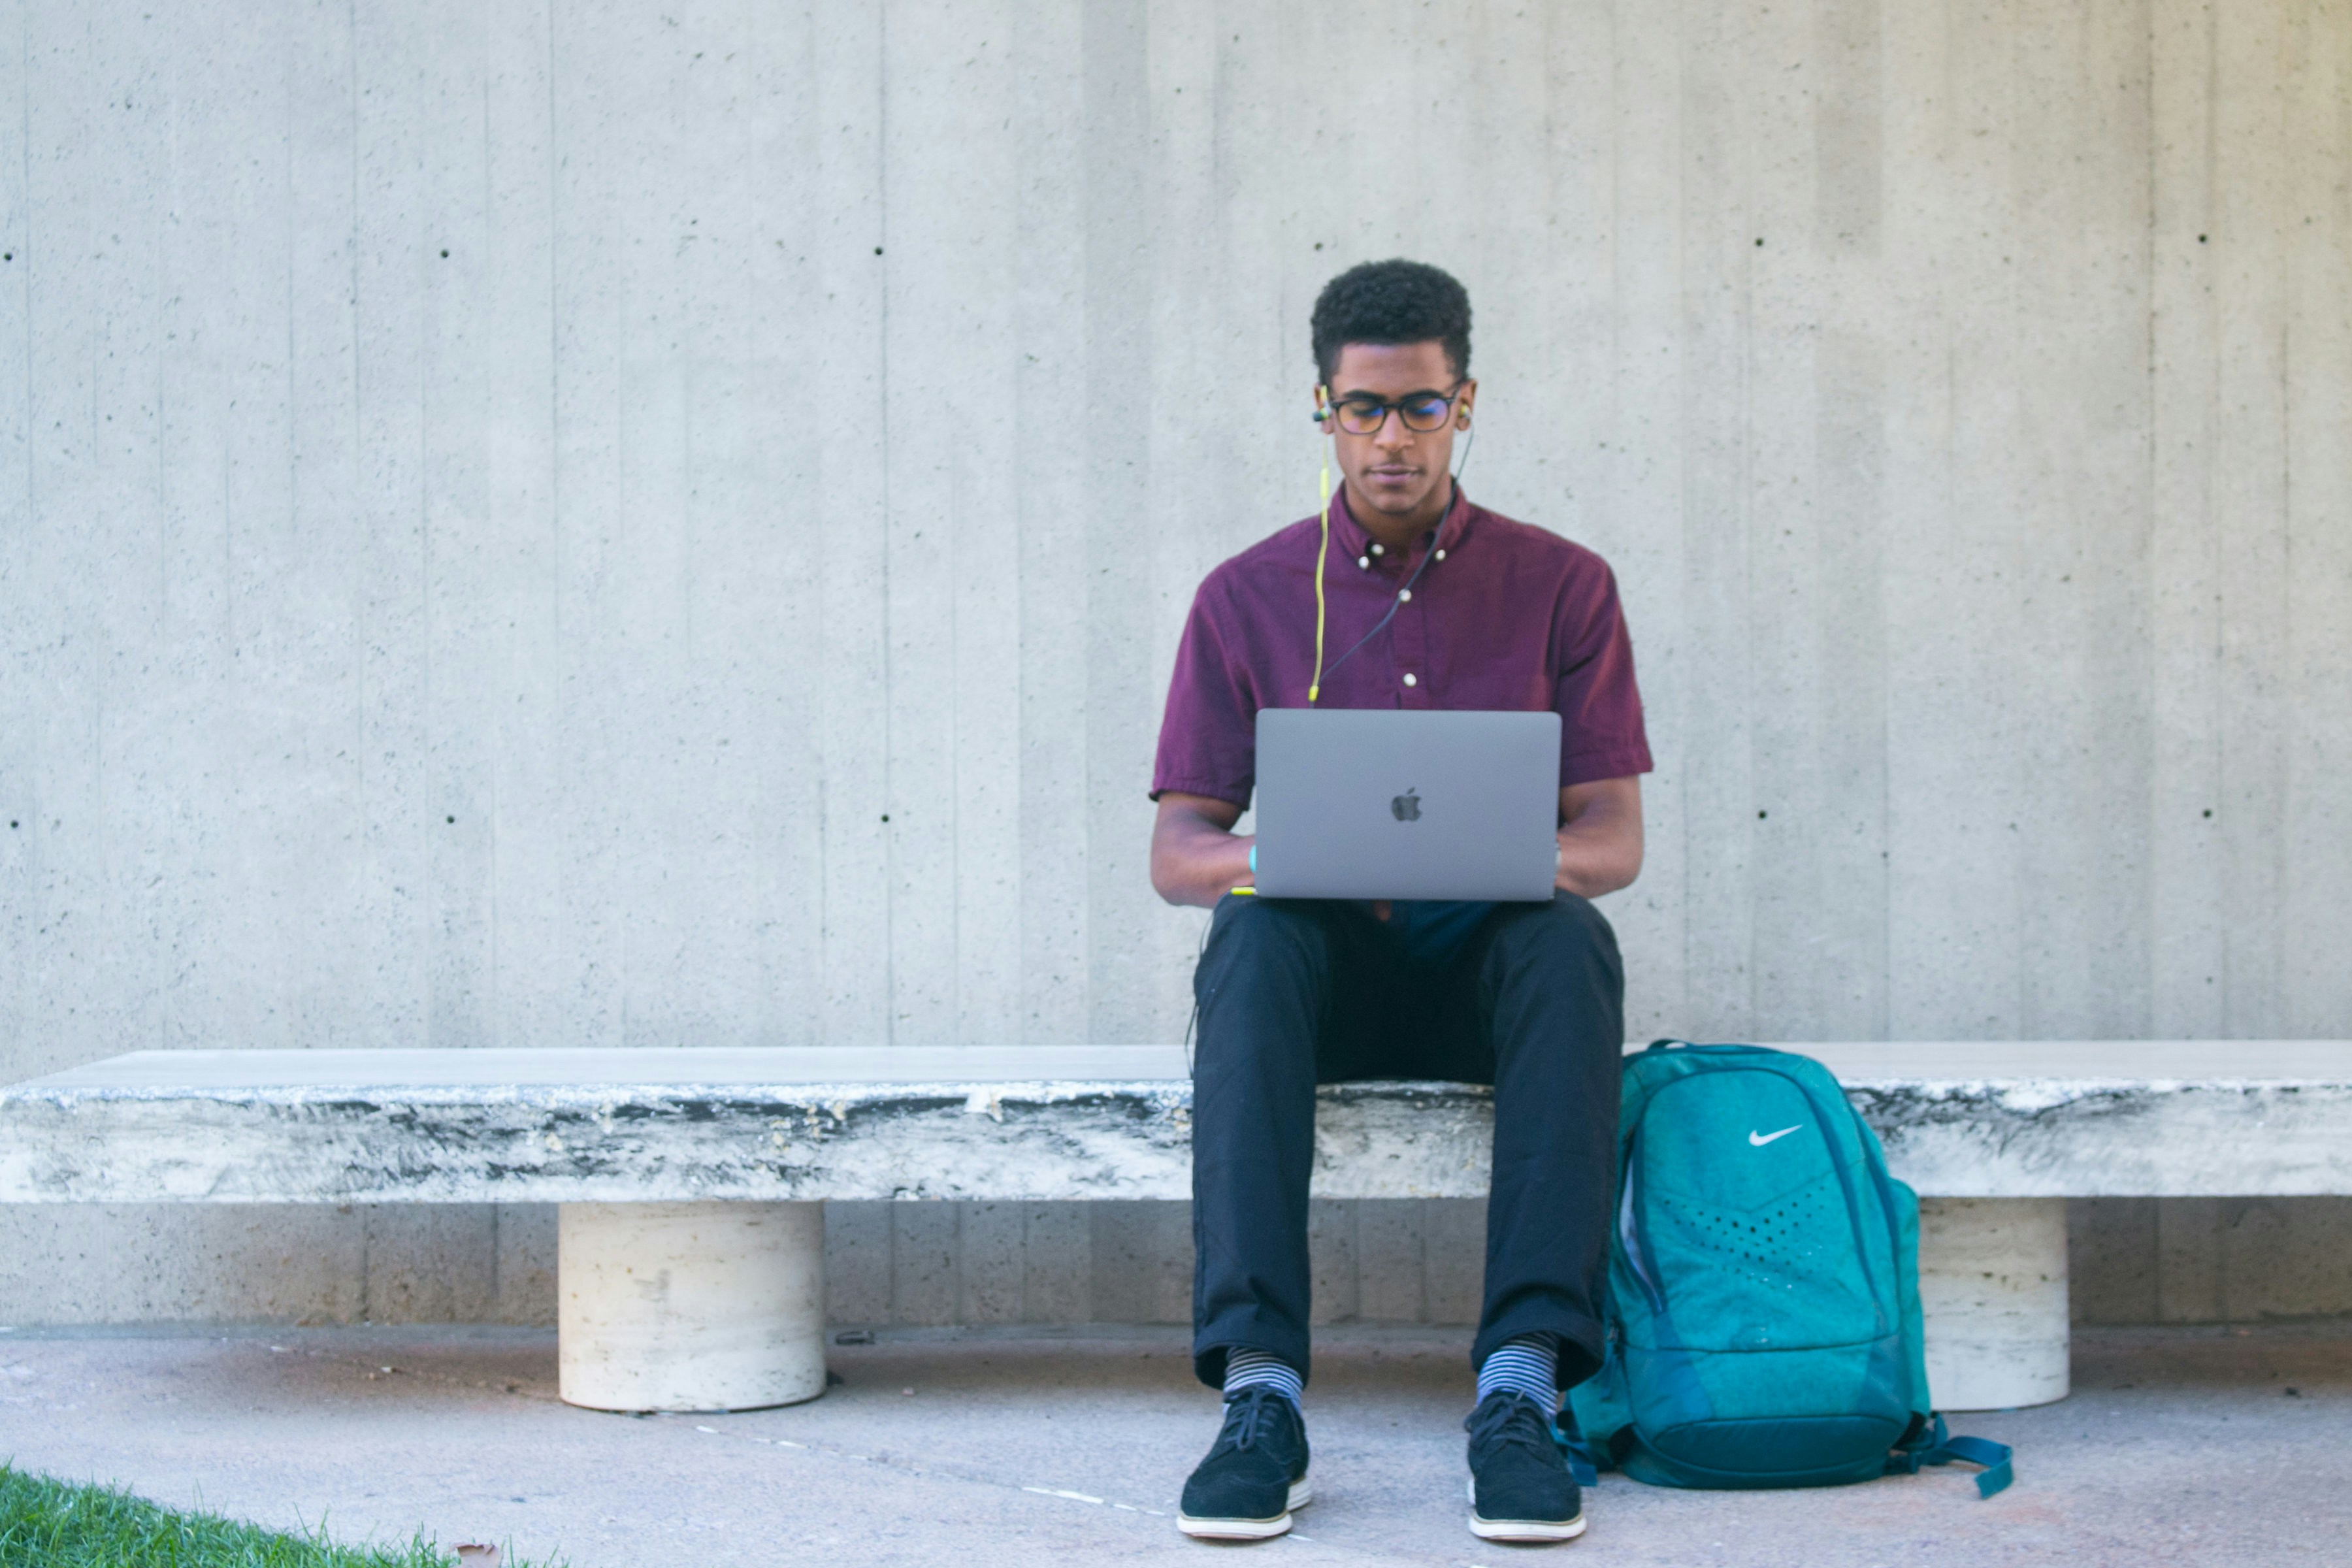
(1361, 413)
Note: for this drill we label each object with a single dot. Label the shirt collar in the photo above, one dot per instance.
(1351, 533)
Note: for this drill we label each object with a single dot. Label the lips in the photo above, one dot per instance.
(1392, 476)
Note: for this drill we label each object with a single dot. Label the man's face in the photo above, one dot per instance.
(1396, 471)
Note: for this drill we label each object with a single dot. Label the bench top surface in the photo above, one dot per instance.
(162, 1074)
(2011, 1118)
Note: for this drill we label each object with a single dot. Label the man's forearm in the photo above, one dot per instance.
(1209, 870)
(1591, 865)
(1195, 859)
(1601, 843)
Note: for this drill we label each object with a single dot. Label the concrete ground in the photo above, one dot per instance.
(2178, 1447)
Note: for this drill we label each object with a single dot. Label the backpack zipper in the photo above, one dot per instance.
(1629, 1232)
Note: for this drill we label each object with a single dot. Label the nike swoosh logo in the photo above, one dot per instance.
(1760, 1139)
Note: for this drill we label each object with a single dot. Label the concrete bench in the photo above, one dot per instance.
(690, 1264)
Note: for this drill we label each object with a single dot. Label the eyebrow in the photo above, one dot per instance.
(1375, 397)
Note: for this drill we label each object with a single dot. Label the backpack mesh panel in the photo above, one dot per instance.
(1797, 1248)
(1795, 1241)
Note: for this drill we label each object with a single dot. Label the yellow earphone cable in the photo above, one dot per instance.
(1315, 686)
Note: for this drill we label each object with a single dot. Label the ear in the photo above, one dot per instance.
(1461, 407)
(1323, 412)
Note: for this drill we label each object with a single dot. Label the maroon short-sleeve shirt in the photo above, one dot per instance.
(1502, 615)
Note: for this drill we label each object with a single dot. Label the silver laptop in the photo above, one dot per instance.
(1387, 804)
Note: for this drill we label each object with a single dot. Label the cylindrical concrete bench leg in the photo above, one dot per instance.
(1992, 1287)
(690, 1306)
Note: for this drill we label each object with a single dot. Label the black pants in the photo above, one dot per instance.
(1297, 992)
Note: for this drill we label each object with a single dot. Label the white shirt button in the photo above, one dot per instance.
(1364, 561)
(1378, 550)
(1404, 595)
(1440, 555)
(1408, 681)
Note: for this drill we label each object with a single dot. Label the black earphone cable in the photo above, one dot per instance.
(1397, 603)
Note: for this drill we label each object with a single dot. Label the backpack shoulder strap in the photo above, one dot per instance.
(1586, 1460)
(1582, 1462)
(1933, 1445)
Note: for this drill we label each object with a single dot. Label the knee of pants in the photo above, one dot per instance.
(1250, 935)
(1264, 964)
(1571, 927)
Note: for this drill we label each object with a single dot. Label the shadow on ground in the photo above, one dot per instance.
(2178, 1447)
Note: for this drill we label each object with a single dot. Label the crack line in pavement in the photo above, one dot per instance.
(377, 1369)
(951, 1473)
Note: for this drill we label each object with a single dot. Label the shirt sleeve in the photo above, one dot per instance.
(1208, 736)
(1601, 731)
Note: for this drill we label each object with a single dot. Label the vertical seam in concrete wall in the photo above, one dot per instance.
(25, 149)
(354, 631)
(490, 1029)
(32, 250)
(2282, 855)
(882, 359)
(555, 499)
(431, 328)
(554, 350)
(2152, 872)
(2226, 951)
(1684, 814)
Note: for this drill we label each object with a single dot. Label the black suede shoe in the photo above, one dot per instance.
(1254, 1475)
(1519, 1486)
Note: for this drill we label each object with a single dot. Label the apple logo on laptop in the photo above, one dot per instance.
(1406, 807)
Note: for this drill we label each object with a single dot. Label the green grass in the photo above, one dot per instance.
(45, 1523)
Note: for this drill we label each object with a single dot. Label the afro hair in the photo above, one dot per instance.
(1392, 301)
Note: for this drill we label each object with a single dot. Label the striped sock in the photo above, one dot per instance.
(1246, 1368)
(1529, 1364)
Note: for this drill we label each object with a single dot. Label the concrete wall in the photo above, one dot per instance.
(637, 524)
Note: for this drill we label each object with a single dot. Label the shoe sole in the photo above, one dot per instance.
(1521, 1528)
(1301, 1494)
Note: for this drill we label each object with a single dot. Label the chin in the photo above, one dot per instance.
(1402, 505)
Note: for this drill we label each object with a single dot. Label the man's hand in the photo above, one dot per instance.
(1600, 837)
(1196, 857)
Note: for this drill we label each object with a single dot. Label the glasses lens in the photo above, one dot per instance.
(1362, 416)
(1424, 412)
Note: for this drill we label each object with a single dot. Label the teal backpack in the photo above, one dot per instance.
(1764, 1291)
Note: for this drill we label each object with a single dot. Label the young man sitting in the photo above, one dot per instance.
(1487, 614)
